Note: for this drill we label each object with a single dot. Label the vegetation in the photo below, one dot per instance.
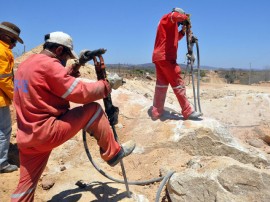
(232, 76)
(247, 77)
(128, 71)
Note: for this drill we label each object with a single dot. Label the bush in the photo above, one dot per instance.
(202, 73)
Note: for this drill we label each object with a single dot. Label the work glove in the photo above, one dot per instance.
(187, 22)
(184, 29)
(85, 57)
(115, 81)
(73, 70)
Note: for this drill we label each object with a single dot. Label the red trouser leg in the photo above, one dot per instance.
(91, 117)
(160, 92)
(32, 164)
(172, 71)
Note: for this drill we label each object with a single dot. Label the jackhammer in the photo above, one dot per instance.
(111, 111)
(191, 40)
(112, 114)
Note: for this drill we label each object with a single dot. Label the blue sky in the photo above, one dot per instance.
(231, 33)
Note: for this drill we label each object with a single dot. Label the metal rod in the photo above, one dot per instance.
(101, 74)
(122, 165)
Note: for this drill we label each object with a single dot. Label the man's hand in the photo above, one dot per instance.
(184, 29)
(73, 70)
(87, 55)
(115, 81)
(187, 21)
(84, 57)
(188, 15)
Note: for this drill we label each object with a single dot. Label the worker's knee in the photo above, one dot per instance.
(95, 112)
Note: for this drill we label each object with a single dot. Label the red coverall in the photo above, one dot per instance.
(43, 90)
(167, 70)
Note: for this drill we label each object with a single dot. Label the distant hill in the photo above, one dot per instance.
(152, 66)
(183, 66)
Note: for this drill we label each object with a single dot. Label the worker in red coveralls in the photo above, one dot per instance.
(43, 89)
(167, 70)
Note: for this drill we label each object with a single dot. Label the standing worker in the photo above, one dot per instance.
(43, 90)
(167, 70)
(9, 35)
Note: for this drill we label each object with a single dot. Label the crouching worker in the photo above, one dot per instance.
(43, 89)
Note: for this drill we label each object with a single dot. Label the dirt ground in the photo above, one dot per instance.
(243, 109)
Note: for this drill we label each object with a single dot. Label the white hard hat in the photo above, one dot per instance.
(179, 10)
(61, 38)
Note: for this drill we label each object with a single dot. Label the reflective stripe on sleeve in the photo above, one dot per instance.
(177, 87)
(74, 84)
(22, 194)
(5, 75)
(172, 16)
(93, 119)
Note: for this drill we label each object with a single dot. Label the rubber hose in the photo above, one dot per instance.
(162, 184)
(108, 176)
(199, 76)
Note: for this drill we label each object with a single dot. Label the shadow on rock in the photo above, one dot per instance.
(101, 191)
(168, 114)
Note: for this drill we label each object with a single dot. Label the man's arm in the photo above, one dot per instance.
(179, 17)
(182, 32)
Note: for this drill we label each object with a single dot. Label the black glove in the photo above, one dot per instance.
(87, 55)
(187, 21)
(84, 57)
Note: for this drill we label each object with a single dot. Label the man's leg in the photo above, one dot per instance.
(5, 133)
(32, 164)
(91, 118)
(160, 90)
(173, 73)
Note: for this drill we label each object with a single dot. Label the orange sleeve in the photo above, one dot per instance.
(6, 74)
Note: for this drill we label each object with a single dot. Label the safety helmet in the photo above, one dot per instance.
(179, 10)
(61, 38)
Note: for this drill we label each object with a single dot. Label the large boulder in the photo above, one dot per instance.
(220, 179)
(210, 138)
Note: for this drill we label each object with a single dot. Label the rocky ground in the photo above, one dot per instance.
(241, 111)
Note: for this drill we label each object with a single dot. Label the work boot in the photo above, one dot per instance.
(9, 168)
(194, 115)
(155, 115)
(126, 149)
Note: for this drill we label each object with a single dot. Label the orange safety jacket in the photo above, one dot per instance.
(42, 91)
(6, 74)
(167, 37)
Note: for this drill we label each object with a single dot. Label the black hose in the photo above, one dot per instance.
(193, 88)
(199, 76)
(162, 184)
(190, 63)
(151, 181)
